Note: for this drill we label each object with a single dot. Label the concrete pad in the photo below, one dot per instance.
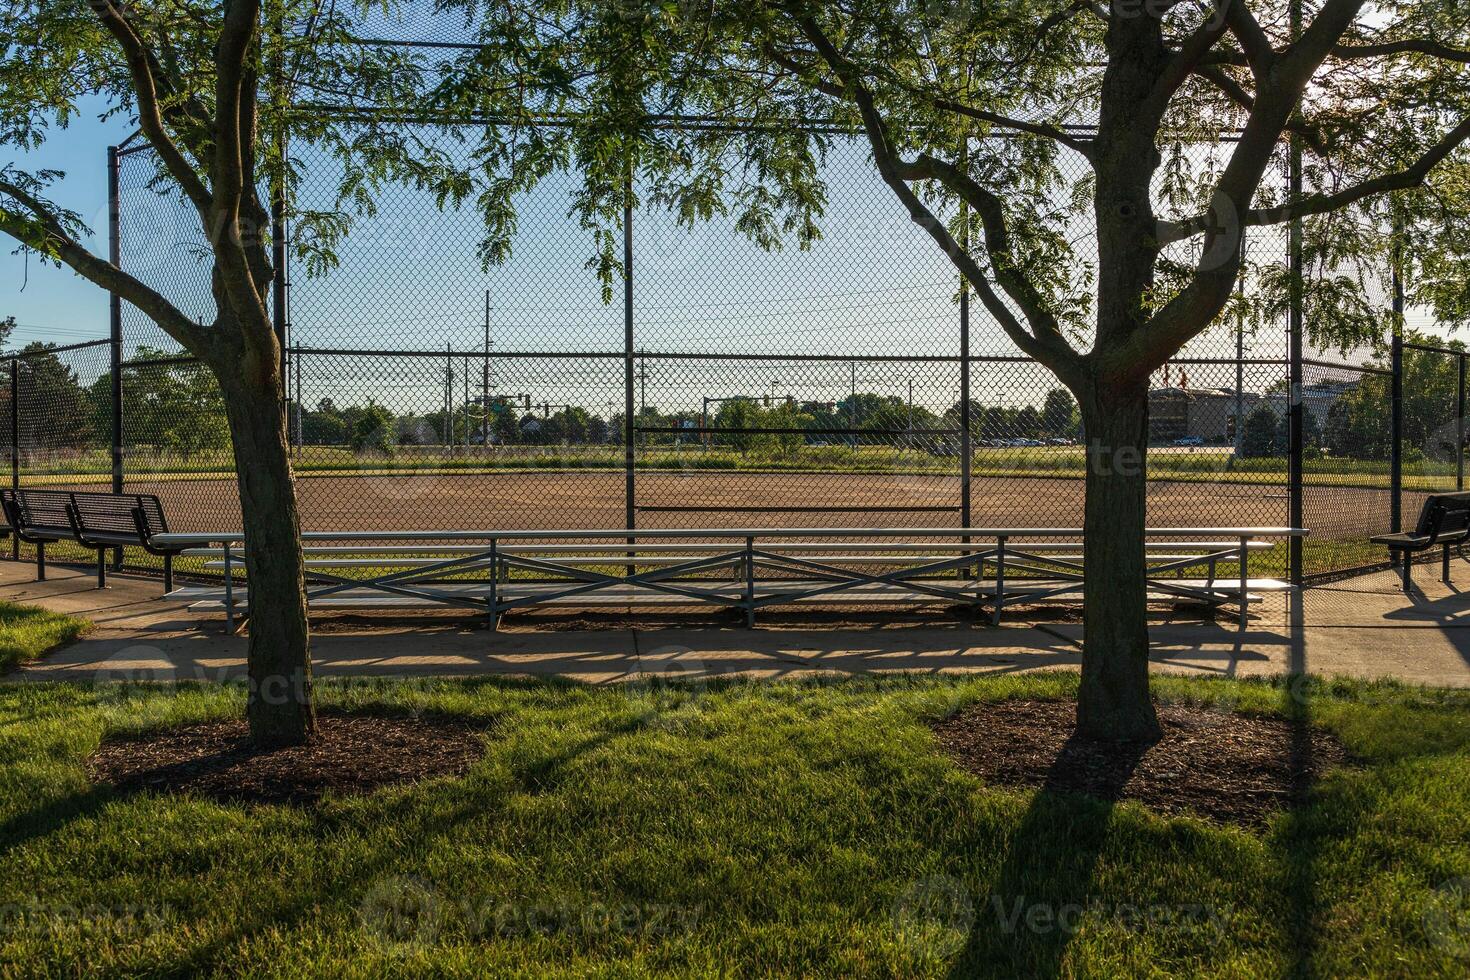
(1364, 627)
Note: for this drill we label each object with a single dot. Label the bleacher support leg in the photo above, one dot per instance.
(1245, 595)
(750, 583)
(1445, 569)
(40, 561)
(101, 568)
(168, 574)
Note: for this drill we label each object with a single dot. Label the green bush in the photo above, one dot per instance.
(373, 433)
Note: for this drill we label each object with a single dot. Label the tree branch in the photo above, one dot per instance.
(1187, 59)
(1400, 180)
(234, 161)
(1388, 49)
(1259, 54)
(54, 240)
(1237, 93)
(1046, 345)
(150, 117)
(826, 87)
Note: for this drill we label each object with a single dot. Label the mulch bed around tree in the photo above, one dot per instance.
(1221, 765)
(350, 755)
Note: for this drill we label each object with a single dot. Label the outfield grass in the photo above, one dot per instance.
(789, 829)
(27, 632)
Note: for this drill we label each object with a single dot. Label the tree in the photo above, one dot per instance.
(211, 86)
(7, 327)
(1359, 421)
(737, 415)
(1258, 438)
(54, 411)
(967, 108)
(1059, 413)
(374, 432)
(171, 406)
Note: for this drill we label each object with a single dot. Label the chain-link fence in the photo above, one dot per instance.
(846, 385)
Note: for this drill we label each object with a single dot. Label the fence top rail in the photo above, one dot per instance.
(56, 349)
(198, 539)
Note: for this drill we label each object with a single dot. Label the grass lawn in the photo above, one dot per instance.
(27, 632)
(787, 829)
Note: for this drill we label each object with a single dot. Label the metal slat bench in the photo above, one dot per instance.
(748, 569)
(1444, 522)
(95, 520)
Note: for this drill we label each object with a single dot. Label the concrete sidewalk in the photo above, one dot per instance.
(1364, 627)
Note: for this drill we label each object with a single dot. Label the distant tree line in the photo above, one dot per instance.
(175, 407)
(1359, 422)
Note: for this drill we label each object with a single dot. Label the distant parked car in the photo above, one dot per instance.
(1189, 441)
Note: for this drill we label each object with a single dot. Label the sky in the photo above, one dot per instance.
(53, 304)
(410, 279)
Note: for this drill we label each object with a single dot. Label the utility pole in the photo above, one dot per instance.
(642, 382)
(448, 398)
(485, 380)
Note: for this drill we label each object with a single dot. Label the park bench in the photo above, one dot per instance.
(493, 572)
(1444, 522)
(95, 520)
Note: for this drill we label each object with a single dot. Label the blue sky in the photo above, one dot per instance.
(53, 304)
(410, 279)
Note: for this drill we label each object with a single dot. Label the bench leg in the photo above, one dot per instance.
(1404, 565)
(101, 568)
(1445, 565)
(168, 574)
(40, 561)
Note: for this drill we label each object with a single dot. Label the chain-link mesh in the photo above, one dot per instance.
(62, 423)
(820, 387)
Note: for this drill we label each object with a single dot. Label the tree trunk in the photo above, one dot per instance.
(279, 708)
(1114, 703)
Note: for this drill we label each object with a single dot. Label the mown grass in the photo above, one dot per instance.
(27, 632)
(787, 829)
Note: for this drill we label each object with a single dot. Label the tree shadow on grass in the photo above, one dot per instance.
(1300, 838)
(1023, 926)
(52, 816)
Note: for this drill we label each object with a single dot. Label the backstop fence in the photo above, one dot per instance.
(709, 383)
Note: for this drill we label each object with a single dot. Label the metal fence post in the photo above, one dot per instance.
(629, 445)
(1296, 505)
(1460, 426)
(965, 447)
(114, 254)
(1396, 435)
(114, 316)
(15, 443)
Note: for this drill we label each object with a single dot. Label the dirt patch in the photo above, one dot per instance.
(351, 755)
(1225, 766)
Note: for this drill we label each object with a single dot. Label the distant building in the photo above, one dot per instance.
(1208, 414)
(1317, 399)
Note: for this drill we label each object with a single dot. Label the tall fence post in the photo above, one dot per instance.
(114, 316)
(1396, 435)
(1460, 425)
(965, 447)
(15, 443)
(1296, 506)
(629, 446)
